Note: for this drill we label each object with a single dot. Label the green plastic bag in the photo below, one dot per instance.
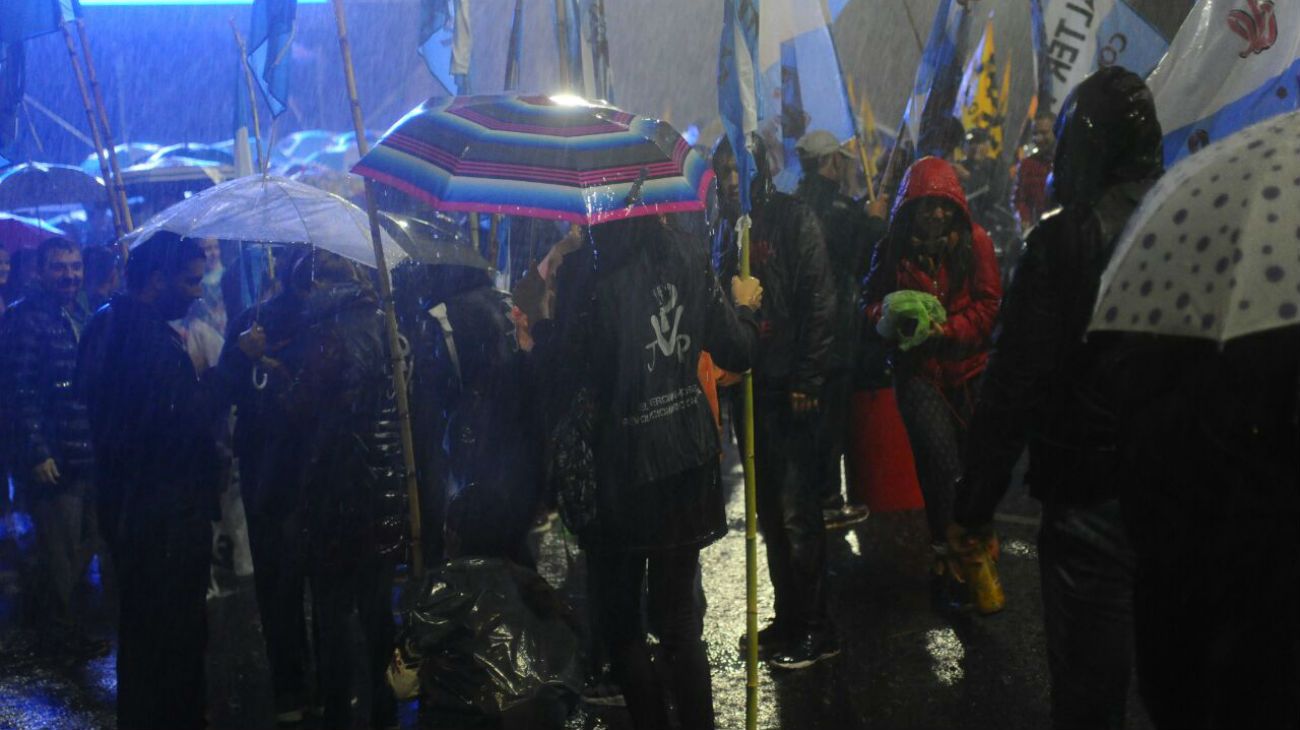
(911, 317)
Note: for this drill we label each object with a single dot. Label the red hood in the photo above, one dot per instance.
(929, 177)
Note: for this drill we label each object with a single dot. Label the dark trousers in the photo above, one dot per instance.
(280, 576)
(1087, 570)
(790, 513)
(1217, 602)
(365, 589)
(615, 580)
(936, 421)
(833, 435)
(162, 571)
(67, 537)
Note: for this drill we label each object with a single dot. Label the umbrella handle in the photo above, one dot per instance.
(260, 378)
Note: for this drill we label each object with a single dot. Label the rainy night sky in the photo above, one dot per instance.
(169, 70)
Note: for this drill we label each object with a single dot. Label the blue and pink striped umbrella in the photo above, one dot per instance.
(559, 158)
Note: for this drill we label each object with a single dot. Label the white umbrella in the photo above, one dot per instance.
(273, 210)
(1213, 251)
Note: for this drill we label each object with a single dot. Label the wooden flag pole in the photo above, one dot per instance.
(93, 76)
(98, 141)
(395, 346)
(861, 134)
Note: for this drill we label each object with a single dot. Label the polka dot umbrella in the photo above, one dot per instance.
(1213, 251)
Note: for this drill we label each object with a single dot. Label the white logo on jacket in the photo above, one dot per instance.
(664, 325)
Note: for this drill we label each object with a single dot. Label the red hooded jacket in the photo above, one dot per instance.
(961, 351)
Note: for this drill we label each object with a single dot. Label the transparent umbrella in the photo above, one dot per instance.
(273, 210)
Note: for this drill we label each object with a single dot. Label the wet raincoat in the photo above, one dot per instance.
(967, 282)
(342, 401)
(634, 310)
(152, 417)
(1046, 385)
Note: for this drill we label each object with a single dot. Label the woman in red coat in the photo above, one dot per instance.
(934, 247)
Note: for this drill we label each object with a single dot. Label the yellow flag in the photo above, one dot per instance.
(979, 100)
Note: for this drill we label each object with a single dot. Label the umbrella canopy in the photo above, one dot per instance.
(17, 232)
(128, 153)
(273, 210)
(1212, 251)
(37, 184)
(432, 242)
(546, 157)
(195, 151)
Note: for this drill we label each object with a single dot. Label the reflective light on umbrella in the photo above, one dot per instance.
(1213, 252)
(559, 157)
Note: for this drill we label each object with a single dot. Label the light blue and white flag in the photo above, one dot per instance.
(447, 42)
(270, 45)
(939, 59)
(795, 34)
(738, 101)
(1233, 63)
(1081, 37)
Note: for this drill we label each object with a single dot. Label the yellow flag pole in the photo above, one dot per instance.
(751, 519)
(861, 134)
(117, 184)
(119, 226)
(395, 346)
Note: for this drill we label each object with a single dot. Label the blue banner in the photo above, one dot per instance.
(270, 43)
(939, 75)
(738, 103)
(515, 50)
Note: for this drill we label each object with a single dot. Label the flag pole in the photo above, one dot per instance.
(562, 44)
(252, 97)
(113, 201)
(860, 133)
(395, 346)
(751, 517)
(93, 76)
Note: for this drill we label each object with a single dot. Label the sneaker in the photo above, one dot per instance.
(845, 516)
(805, 651)
(770, 638)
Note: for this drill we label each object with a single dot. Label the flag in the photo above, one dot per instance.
(269, 43)
(794, 121)
(738, 103)
(23, 19)
(1079, 38)
(981, 96)
(12, 82)
(448, 42)
(1041, 76)
(515, 50)
(569, 41)
(939, 74)
(601, 76)
(1232, 63)
(795, 34)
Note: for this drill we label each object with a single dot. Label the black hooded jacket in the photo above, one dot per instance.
(1045, 384)
(634, 310)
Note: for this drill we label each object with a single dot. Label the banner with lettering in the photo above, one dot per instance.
(1081, 36)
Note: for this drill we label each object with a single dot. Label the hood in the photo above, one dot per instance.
(1106, 134)
(929, 177)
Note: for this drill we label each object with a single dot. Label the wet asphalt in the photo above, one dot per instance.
(902, 665)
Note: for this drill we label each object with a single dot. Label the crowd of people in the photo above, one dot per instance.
(135, 395)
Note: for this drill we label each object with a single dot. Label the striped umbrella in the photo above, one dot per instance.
(559, 158)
